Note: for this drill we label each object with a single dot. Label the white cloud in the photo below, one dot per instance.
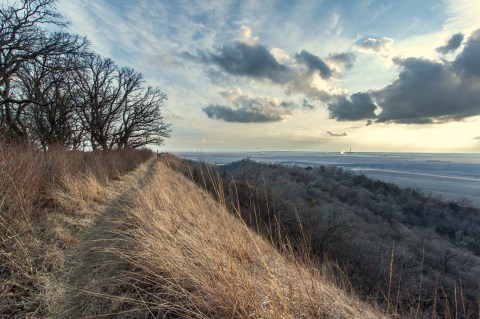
(373, 44)
(279, 54)
(246, 35)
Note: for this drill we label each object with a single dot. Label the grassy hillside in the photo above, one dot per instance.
(193, 259)
(79, 242)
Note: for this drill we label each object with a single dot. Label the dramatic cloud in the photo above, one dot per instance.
(425, 91)
(345, 60)
(452, 44)
(242, 115)
(251, 60)
(380, 45)
(358, 107)
(433, 92)
(477, 138)
(468, 61)
(250, 110)
(314, 63)
(336, 134)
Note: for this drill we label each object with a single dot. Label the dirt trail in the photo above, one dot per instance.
(94, 282)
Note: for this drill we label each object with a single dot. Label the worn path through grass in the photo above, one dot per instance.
(93, 282)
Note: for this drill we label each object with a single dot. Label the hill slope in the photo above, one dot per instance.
(172, 251)
(415, 253)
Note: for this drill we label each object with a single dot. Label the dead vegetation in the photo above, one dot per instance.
(193, 259)
(150, 244)
(45, 200)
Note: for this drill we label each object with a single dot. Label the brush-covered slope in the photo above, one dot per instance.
(194, 259)
(412, 252)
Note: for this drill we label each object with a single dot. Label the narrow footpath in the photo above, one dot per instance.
(94, 282)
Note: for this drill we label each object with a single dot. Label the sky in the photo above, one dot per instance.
(371, 75)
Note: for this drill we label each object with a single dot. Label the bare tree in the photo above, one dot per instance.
(116, 109)
(53, 91)
(98, 91)
(141, 122)
(23, 41)
(51, 116)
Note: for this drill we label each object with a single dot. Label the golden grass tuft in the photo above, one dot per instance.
(75, 192)
(193, 259)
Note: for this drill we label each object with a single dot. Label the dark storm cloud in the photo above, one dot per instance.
(424, 92)
(246, 109)
(467, 62)
(314, 63)
(434, 92)
(358, 107)
(453, 43)
(336, 134)
(249, 60)
(346, 59)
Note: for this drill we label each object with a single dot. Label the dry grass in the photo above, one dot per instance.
(193, 259)
(180, 253)
(43, 203)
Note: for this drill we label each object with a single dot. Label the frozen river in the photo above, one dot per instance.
(450, 175)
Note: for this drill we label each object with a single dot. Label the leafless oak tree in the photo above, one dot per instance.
(116, 110)
(51, 116)
(22, 41)
(141, 122)
(97, 94)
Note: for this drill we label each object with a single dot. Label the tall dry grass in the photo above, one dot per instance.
(261, 210)
(193, 259)
(36, 221)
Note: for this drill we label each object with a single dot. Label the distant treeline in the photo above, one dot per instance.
(55, 90)
(414, 254)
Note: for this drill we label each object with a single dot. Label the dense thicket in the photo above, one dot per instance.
(54, 90)
(413, 252)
